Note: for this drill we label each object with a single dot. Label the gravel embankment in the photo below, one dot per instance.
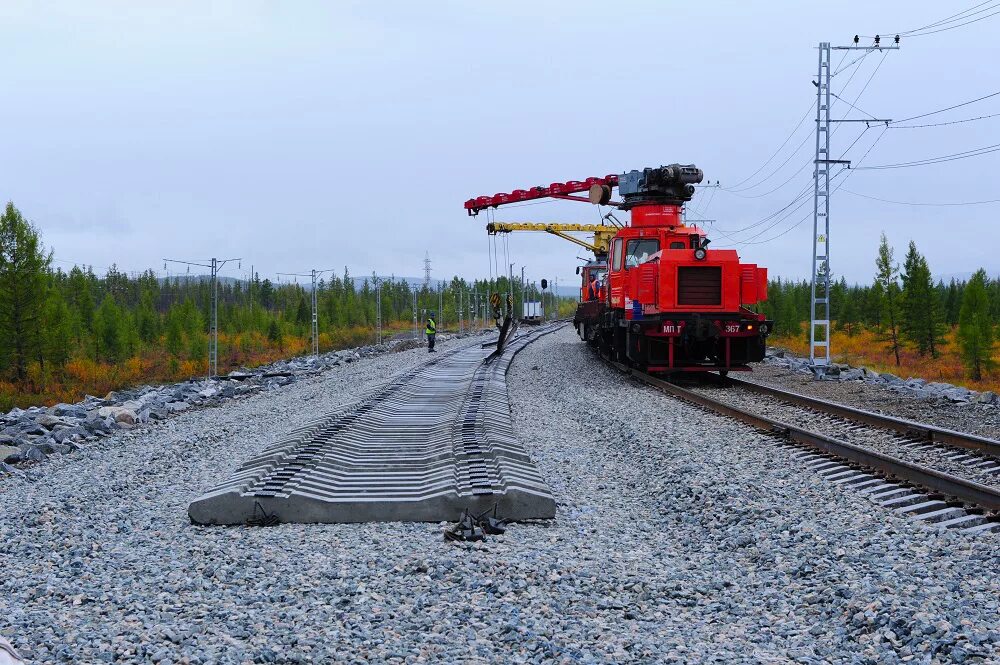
(964, 417)
(689, 537)
(680, 537)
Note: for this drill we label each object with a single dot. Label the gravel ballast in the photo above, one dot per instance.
(874, 438)
(963, 417)
(680, 537)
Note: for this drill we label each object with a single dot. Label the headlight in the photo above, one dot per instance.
(700, 253)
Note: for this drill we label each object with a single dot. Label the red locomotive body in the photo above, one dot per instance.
(662, 300)
(673, 304)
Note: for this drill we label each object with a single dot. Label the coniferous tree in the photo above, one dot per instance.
(274, 334)
(953, 302)
(174, 334)
(108, 331)
(57, 331)
(975, 329)
(887, 276)
(921, 321)
(266, 294)
(874, 299)
(303, 315)
(146, 320)
(847, 320)
(23, 266)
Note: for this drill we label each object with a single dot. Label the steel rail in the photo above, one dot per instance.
(930, 433)
(966, 490)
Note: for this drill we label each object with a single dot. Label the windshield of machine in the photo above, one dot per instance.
(638, 250)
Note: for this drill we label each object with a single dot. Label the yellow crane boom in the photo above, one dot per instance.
(599, 246)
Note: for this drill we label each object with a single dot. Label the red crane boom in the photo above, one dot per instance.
(557, 190)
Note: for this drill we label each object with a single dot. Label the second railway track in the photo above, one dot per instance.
(958, 474)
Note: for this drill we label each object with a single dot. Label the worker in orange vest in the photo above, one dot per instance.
(593, 287)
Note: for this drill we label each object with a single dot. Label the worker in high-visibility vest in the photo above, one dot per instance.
(431, 331)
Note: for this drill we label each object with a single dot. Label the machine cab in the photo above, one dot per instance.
(670, 268)
(593, 282)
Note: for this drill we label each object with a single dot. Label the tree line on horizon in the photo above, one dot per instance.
(904, 306)
(50, 318)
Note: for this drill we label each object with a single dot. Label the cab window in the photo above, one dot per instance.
(616, 254)
(638, 250)
(677, 244)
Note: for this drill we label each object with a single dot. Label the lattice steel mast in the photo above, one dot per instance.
(819, 305)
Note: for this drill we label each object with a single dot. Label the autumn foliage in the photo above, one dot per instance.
(865, 348)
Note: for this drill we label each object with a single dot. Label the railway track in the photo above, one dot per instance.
(926, 473)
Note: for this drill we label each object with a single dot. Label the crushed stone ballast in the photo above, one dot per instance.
(947, 500)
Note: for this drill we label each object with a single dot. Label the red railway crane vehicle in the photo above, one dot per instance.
(662, 300)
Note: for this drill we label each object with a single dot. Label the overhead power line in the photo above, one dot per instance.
(943, 24)
(780, 147)
(918, 203)
(736, 189)
(959, 25)
(846, 173)
(942, 124)
(949, 108)
(975, 152)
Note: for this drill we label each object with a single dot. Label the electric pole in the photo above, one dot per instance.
(819, 306)
(378, 308)
(555, 298)
(416, 332)
(314, 276)
(213, 333)
(523, 299)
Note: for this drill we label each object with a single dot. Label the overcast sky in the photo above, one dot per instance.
(323, 134)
